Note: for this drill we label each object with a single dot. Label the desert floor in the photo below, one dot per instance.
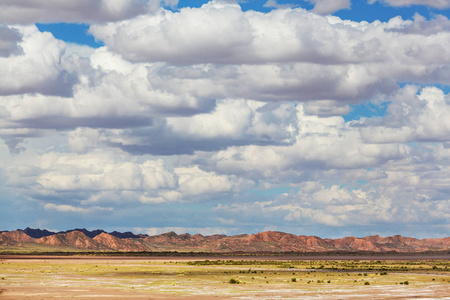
(209, 278)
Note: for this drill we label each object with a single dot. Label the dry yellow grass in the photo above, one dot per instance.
(132, 278)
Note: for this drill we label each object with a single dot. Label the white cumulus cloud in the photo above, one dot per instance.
(36, 68)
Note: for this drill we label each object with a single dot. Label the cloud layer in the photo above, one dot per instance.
(441, 4)
(227, 120)
(324, 7)
(30, 11)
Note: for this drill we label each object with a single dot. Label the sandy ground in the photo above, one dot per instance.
(261, 292)
(68, 278)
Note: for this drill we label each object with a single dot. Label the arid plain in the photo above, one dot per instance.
(227, 277)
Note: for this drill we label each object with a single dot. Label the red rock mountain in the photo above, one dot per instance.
(269, 241)
(74, 239)
(14, 238)
(125, 244)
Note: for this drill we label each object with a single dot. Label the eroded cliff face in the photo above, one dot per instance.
(269, 241)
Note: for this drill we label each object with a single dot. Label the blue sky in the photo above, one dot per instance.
(312, 117)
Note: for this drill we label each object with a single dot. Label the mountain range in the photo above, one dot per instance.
(269, 241)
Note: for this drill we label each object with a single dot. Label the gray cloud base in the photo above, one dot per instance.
(81, 11)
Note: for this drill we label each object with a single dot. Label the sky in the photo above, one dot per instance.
(319, 117)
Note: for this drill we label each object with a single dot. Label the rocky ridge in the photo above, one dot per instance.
(269, 241)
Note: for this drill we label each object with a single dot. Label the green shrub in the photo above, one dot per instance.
(234, 281)
(294, 279)
(366, 283)
(406, 282)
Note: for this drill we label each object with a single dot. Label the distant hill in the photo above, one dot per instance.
(37, 233)
(91, 234)
(269, 241)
